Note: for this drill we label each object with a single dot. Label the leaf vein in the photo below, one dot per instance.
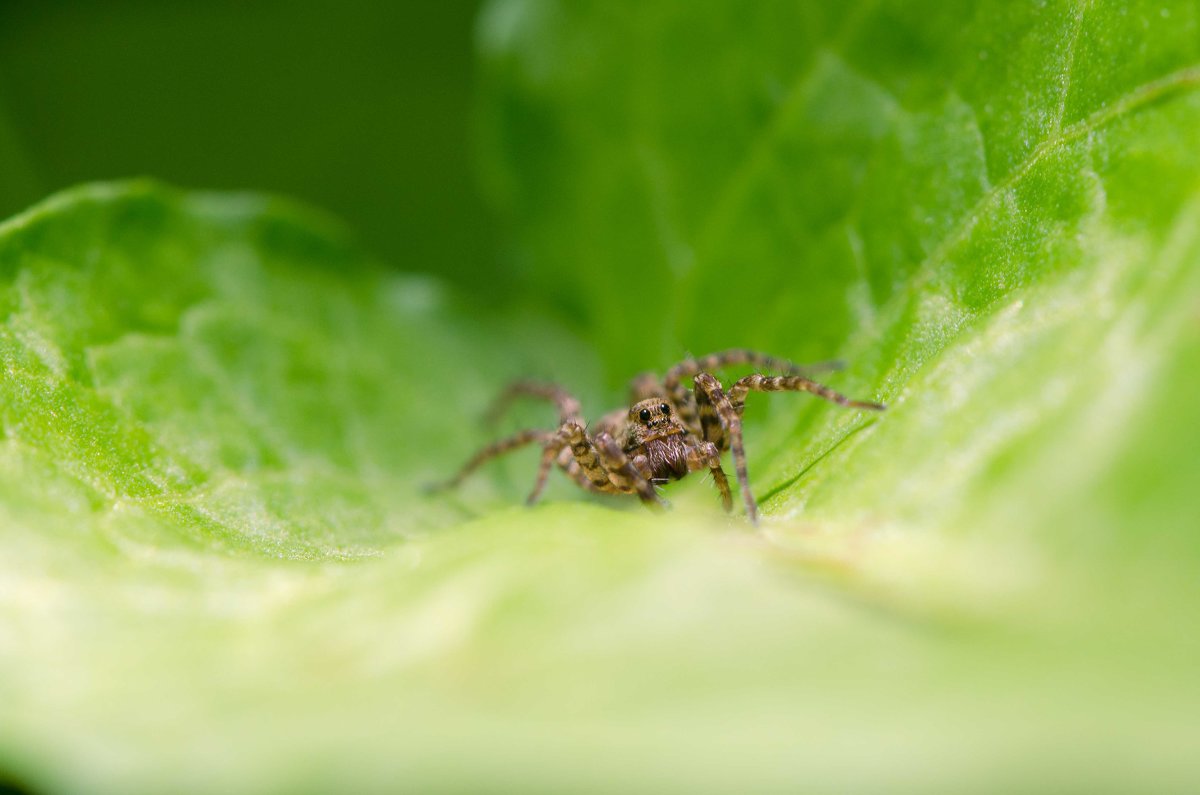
(1144, 94)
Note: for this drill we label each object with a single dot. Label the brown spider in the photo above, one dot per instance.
(668, 432)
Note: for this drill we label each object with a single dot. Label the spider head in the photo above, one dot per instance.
(653, 419)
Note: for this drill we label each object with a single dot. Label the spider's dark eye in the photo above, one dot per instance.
(645, 415)
(665, 409)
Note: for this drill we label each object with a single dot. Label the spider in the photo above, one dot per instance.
(668, 432)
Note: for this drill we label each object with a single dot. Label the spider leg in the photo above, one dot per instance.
(706, 456)
(712, 428)
(727, 410)
(685, 404)
(567, 463)
(568, 407)
(597, 465)
(715, 404)
(571, 438)
(793, 383)
(507, 445)
(623, 474)
(736, 356)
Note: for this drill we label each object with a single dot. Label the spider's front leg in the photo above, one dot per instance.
(602, 466)
(624, 474)
(723, 426)
(673, 382)
(705, 455)
(721, 413)
(570, 435)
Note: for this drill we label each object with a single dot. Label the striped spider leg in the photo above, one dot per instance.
(595, 463)
(720, 414)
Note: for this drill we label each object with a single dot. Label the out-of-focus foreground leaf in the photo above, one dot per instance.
(218, 572)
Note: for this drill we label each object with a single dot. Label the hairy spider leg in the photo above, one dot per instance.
(707, 456)
(596, 464)
(566, 460)
(494, 450)
(713, 402)
(570, 436)
(568, 407)
(727, 409)
(595, 468)
(757, 382)
(685, 405)
(567, 463)
(623, 473)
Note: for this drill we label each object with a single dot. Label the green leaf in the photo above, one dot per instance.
(220, 572)
(989, 211)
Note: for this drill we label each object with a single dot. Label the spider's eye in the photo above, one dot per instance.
(645, 415)
(665, 409)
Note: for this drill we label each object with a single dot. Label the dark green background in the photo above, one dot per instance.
(362, 108)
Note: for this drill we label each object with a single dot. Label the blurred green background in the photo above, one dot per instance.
(362, 108)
